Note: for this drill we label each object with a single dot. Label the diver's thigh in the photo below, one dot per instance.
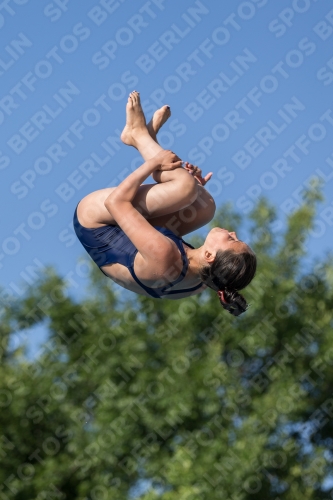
(91, 211)
(190, 218)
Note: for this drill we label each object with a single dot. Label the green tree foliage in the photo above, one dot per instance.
(204, 405)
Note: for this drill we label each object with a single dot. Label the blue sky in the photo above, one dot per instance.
(250, 89)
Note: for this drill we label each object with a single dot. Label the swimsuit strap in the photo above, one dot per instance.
(150, 291)
(196, 287)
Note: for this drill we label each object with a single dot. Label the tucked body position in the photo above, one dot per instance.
(133, 232)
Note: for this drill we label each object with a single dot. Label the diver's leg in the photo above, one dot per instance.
(199, 212)
(168, 197)
(190, 218)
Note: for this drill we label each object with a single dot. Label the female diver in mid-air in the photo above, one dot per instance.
(133, 232)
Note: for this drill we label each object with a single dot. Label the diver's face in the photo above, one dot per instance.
(222, 239)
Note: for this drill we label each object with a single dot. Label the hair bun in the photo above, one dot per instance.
(233, 301)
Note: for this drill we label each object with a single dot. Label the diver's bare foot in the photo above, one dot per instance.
(159, 118)
(135, 120)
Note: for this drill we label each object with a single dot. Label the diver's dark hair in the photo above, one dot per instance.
(230, 272)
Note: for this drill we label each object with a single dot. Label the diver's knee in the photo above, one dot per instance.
(206, 203)
(189, 189)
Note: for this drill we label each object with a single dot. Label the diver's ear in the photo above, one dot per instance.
(209, 256)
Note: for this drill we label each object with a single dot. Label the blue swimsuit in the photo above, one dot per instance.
(109, 245)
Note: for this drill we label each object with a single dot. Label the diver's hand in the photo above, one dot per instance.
(197, 173)
(167, 160)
